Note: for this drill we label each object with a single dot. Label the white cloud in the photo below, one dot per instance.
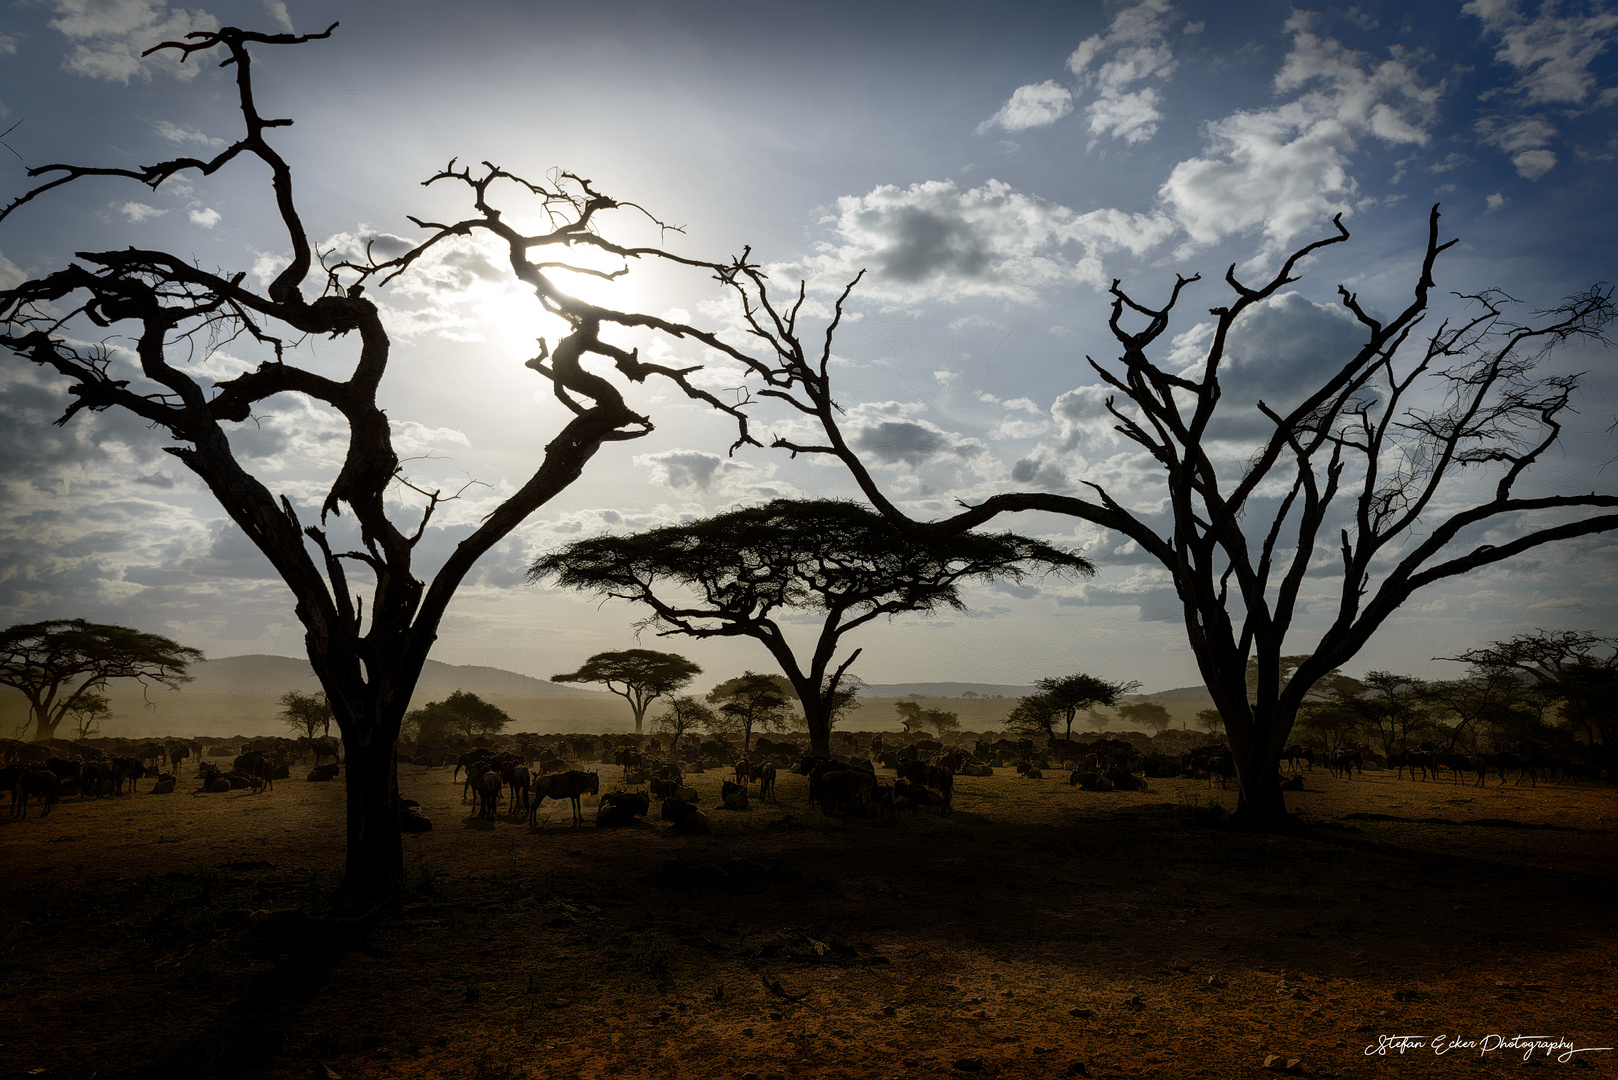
(1494, 202)
(206, 218)
(184, 133)
(278, 11)
(8, 44)
(701, 473)
(1134, 49)
(135, 211)
(940, 241)
(110, 36)
(1551, 53)
(1533, 164)
(1032, 106)
(10, 274)
(1284, 169)
(891, 433)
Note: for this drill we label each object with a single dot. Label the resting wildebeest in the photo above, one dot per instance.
(326, 746)
(622, 807)
(686, 819)
(572, 785)
(732, 796)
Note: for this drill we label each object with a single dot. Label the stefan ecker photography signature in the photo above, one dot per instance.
(1562, 1049)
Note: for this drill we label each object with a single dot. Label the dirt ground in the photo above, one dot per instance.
(1038, 931)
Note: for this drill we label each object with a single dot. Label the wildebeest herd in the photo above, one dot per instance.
(520, 772)
(45, 772)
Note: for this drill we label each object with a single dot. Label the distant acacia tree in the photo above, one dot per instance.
(304, 712)
(1576, 669)
(1035, 716)
(683, 714)
(1395, 708)
(749, 567)
(645, 675)
(1366, 464)
(369, 619)
(62, 665)
(462, 713)
(1072, 694)
(751, 701)
(1147, 714)
(88, 713)
(916, 719)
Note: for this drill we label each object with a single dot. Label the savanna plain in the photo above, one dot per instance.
(1037, 931)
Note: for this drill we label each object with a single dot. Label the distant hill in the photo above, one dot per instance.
(946, 690)
(240, 695)
(261, 674)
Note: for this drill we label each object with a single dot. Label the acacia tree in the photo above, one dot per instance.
(684, 713)
(737, 574)
(367, 652)
(1070, 694)
(88, 713)
(1568, 666)
(1369, 433)
(752, 700)
(1393, 706)
(1146, 713)
(916, 719)
(646, 675)
(305, 712)
(61, 665)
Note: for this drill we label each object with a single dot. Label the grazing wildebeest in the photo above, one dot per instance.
(41, 782)
(766, 781)
(97, 778)
(125, 768)
(519, 780)
(256, 766)
(572, 785)
(1296, 753)
(178, 752)
(488, 787)
(1343, 762)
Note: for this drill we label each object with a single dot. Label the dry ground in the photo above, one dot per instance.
(1038, 932)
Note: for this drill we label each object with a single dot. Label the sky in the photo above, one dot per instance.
(992, 169)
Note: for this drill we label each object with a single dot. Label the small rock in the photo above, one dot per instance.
(889, 1010)
(1077, 1068)
(1084, 1014)
(969, 1064)
(1276, 1063)
(747, 1031)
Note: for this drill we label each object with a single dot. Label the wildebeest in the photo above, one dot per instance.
(686, 819)
(488, 786)
(42, 783)
(732, 796)
(572, 785)
(622, 807)
(519, 780)
(326, 746)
